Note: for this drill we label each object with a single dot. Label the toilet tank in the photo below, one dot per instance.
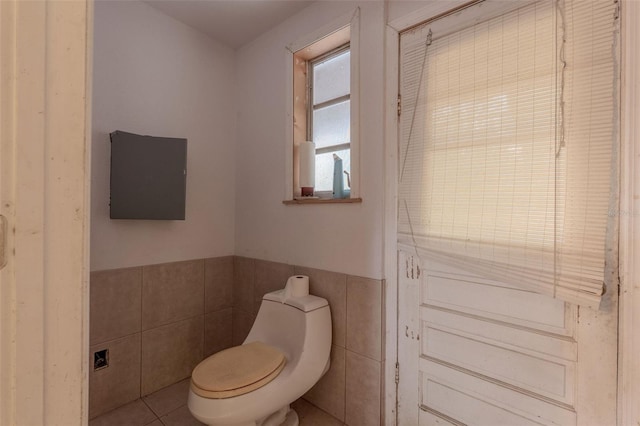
(289, 323)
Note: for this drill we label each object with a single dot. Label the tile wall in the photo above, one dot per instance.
(351, 391)
(159, 321)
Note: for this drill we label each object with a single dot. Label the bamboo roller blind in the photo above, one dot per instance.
(508, 157)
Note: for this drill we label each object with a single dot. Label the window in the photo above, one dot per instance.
(329, 116)
(323, 108)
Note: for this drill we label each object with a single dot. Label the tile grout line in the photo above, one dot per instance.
(141, 326)
(110, 341)
(151, 409)
(346, 342)
(234, 289)
(204, 311)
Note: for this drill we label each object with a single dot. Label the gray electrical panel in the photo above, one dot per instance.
(148, 177)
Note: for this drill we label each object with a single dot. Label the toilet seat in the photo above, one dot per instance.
(238, 370)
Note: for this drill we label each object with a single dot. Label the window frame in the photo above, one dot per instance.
(350, 23)
(312, 107)
(310, 89)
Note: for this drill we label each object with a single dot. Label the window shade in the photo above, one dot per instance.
(508, 162)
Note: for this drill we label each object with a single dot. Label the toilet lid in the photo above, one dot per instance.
(238, 370)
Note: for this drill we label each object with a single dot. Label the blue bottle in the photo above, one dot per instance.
(338, 179)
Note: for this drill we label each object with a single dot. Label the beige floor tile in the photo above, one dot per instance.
(133, 414)
(180, 417)
(168, 399)
(156, 422)
(309, 415)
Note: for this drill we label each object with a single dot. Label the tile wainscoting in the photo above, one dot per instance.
(159, 321)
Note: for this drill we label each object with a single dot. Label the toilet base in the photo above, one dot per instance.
(291, 419)
(286, 416)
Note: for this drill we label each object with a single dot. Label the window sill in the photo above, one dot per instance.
(323, 201)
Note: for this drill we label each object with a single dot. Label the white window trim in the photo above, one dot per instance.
(351, 20)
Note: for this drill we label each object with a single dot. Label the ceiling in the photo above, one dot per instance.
(232, 22)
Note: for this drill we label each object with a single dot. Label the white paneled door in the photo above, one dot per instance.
(475, 349)
(480, 352)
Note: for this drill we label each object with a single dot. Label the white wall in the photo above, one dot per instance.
(156, 76)
(345, 238)
(401, 9)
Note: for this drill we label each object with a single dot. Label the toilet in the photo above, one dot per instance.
(284, 355)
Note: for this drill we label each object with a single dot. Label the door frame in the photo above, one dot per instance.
(45, 123)
(393, 28)
(629, 313)
(391, 81)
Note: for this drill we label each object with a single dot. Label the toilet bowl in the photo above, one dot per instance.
(284, 355)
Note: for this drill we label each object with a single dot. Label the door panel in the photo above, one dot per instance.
(493, 300)
(469, 408)
(528, 370)
(520, 338)
(492, 396)
(476, 351)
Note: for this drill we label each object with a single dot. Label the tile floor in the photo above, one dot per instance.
(168, 407)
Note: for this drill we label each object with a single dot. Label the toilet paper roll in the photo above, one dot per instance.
(297, 286)
(307, 155)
